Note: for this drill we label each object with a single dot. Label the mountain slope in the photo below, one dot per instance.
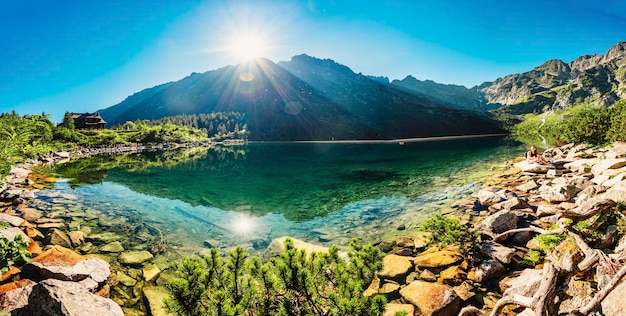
(557, 85)
(282, 106)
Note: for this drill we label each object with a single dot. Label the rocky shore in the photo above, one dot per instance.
(550, 243)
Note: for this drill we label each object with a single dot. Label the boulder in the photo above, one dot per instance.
(499, 222)
(586, 164)
(525, 284)
(618, 150)
(15, 295)
(589, 208)
(607, 164)
(432, 299)
(490, 196)
(19, 172)
(488, 269)
(616, 193)
(559, 192)
(76, 237)
(66, 265)
(30, 214)
(134, 258)
(13, 220)
(395, 268)
(528, 186)
(437, 259)
(497, 251)
(55, 297)
(532, 167)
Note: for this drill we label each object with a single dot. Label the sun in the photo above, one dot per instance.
(248, 46)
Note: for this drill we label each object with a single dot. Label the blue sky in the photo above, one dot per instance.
(76, 55)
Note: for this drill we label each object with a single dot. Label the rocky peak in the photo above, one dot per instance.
(618, 51)
(584, 62)
(555, 67)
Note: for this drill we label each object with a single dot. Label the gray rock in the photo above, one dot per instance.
(526, 284)
(528, 186)
(499, 222)
(18, 297)
(497, 251)
(490, 196)
(11, 232)
(617, 192)
(606, 164)
(93, 268)
(559, 193)
(489, 269)
(13, 220)
(532, 167)
(55, 297)
(589, 208)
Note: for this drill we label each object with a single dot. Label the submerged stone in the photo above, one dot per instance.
(134, 257)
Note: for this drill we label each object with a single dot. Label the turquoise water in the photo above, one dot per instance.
(248, 195)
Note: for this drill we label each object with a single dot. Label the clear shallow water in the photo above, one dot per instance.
(323, 193)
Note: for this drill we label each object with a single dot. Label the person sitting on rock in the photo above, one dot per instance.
(533, 156)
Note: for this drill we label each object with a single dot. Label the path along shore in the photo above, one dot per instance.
(512, 271)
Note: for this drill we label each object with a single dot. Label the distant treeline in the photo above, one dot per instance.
(218, 125)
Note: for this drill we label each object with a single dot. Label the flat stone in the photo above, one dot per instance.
(150, 272)
(30, 214)
(396, 267)
(432, 298)
(13, 220)
(428, 276)
(125, 279)
(607, 164)
(134, 257)
(153, 297)
(452, 275)
(114, 247)
(55, 297)
(437, 259)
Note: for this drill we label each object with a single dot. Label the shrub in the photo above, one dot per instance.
(548, 241)
(295, 283)
(12, 252)
(448, 231)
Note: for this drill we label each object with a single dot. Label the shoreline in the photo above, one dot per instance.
(379, 141)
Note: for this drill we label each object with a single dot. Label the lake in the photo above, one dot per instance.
(325, 193)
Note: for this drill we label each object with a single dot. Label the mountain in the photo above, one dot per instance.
(453, 96)
(303, 99)
(557, 85)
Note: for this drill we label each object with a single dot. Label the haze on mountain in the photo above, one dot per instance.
(305, 99)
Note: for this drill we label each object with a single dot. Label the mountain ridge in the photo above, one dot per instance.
(304, 99)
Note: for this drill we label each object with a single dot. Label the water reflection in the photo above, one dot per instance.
(227, 196)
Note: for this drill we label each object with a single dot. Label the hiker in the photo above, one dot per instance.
(533, 156)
